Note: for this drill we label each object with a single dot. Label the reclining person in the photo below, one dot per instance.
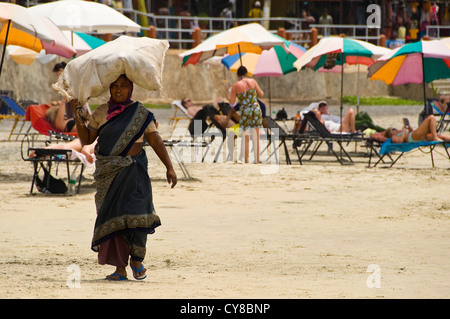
(347, 125)
(425, 132)
(211, 112)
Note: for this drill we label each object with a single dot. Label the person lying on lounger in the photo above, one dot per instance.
(347, 125)
(425, 132)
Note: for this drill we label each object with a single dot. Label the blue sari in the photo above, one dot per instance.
(124, 194)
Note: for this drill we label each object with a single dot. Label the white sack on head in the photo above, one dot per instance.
(141, 59)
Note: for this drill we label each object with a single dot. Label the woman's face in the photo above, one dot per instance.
(120, 89)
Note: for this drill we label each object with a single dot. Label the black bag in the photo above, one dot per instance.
(281, 115)
(49, 184)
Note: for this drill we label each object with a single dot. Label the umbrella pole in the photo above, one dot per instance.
(270, 100)
(4, 46)
(423, 84)
(342, 87)
(357, 91)
(240, 56)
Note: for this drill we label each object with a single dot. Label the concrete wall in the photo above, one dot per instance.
(204, 82)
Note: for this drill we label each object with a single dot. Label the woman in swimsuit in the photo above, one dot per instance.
(247, 90)
(425, 132)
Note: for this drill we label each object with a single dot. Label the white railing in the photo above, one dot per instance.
(355, 31)
(434, 31)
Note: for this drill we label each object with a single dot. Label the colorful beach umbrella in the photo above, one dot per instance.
(26, 56)
(418, 62)
(19, 26)
(251, 37)
(332, 53)
(86, 16)
(83, 42)
(273, 62)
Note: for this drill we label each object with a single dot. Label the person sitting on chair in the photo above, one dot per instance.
(190, 107)
(362, 120)
(425, 132)
(347, 125)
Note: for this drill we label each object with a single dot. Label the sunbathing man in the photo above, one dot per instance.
(425, 132)
(333, 123)
(347, 126)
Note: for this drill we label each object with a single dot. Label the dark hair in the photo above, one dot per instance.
(242, 70)
(58, 66)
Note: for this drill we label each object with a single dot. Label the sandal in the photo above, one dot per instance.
(137, 271)
(118, 277)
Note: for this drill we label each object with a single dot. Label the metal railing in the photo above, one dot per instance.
(438, 31)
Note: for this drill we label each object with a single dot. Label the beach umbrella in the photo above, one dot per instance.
(332, 53)
(273, 62)
(418, 62)
(26, 56)
(86, 16)
(90, 75)
(19, 26)
(251, 37)
(83, 42)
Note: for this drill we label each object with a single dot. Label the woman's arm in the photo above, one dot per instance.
(232, 96)
(258, 90)
(86, 135)
(60, 121)
(156, 142)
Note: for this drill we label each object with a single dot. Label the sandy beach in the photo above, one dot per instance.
(317, 230)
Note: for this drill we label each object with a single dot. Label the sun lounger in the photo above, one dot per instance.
(389, 148)
(10, 109)
(325, 136)
(47, 157)
(177, 106)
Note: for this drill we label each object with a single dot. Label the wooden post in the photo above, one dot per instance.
(314, 37)
(152, 32)
(382, 40)
(197, 37)
(107, 37)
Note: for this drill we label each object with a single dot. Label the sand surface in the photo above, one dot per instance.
(317, 230)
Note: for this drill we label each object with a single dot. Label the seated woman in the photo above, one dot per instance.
(425, 132)
(56, 116)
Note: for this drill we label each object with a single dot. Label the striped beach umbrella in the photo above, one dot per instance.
(331, 53)
(418, 62)
(273, 62)
(251, 37)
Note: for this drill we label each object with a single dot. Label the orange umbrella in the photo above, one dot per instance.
(19, 26)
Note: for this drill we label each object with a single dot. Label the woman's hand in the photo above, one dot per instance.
(171, 177)
(73, 104)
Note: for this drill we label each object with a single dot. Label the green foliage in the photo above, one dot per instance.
(379, 100)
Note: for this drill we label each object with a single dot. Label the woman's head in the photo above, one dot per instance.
(242, 70)
(121, 89)
(390, 131)
(59, 68)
